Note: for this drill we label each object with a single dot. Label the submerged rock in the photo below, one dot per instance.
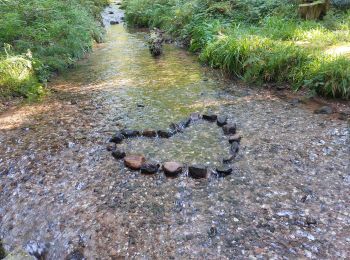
(324, 110)
(234, 148)
(118, 154)
(234, 138)
(229, 129)
(130, 133)
(197, 171)
(195, 116)
(114, 22)
(172, 169)
(228, 159)
(117, 138)
(149, 133)
(223, 171)
(149, 168)
(185, 123)
(134, 162)
(221, 120)
(210, 117)
(164, 133)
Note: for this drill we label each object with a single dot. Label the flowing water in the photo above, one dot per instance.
(62, 191)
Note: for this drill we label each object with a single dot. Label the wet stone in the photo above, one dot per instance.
(185, 123)
(229, 129)
(234, 148)
(164, 133)
(114, 22)
(324, 110)
(111, 12)
(117, 138)
(195, 116)
(172, 169)
(210, 117)
(234, 138)
(134, 162)
(229, 159)
(221, 120)
(197, 171)
(149, 168)
(118, 154)
(111, 147)
(223, 171)
(175, 128)
(149, 133)
(130, 133)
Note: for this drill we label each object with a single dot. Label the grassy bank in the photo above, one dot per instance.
(258, 40)
(40, 37)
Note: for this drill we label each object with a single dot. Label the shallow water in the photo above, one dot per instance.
(287, 198)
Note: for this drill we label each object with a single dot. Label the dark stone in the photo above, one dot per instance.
(149, 133)
(234, 138)
(221, 120)
(114, 22)
(111, 147)
(117, 138)
(210, 117)
(140, 105)
(197, 171)
(111, 12)
(223, 171)
(118, 154)
(77, 254)
(213, 231)
(39, 250)
(228, 159)
(234, 148)
(294, 101)
(149, 168)
(130, 133)
(175, 128)
(310, 221)
(229, 129)
(324, 110)
(164, 133)
(172, 169)
(185, 123)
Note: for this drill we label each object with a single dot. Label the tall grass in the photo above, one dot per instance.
(57, 33)
(257, 40)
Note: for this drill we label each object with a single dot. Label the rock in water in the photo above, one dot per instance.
(117, 138)
(223, 171)
(155, 42)
(234, 148)
(149, 168)
(197, 171)
(118, 154)
(229, 129)
(172, 169)
(324, 110)
(149, 133)
(234, 138)
(134, 162)
(222, 120)
(164, 133)
(210, 117)
(130, 133)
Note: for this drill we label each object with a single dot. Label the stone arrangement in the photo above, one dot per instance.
(173, 169)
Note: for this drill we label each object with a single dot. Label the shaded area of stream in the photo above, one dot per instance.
(61, 190)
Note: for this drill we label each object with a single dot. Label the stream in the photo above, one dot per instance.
(63, 196)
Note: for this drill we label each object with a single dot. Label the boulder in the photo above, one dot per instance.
(197, 171)
(223, 171)
(229, 129)
(149, 168)
(134, 162)
(172, 169)
(234, 138)
(164, 133)
(221, 120)
(149, 133)
(117, 138)
(210, 117)
(130, 133)
(118, 154)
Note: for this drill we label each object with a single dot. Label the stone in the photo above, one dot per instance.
(210, 117)
(164, 133)
(228, 159)
(114, 22)
(229, 129)
(234, 148)
(118, 154)
(223, 171)
(134, 162)
(234, 138)
(130, 133)
(149, 168)
(172, 169)
(195, 116)
(175, 128)
(111, 147)
(221, 120)
(324, 110)
(111, 12)
(197, 171)
(149, 133)
(117, 138)
(185, 123)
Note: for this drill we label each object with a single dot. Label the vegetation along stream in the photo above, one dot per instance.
(63, 196)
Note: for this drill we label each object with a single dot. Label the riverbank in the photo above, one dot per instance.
(259, 42)
(39, 38)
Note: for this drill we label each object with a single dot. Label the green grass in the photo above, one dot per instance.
(56, 33)
(257, 40)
